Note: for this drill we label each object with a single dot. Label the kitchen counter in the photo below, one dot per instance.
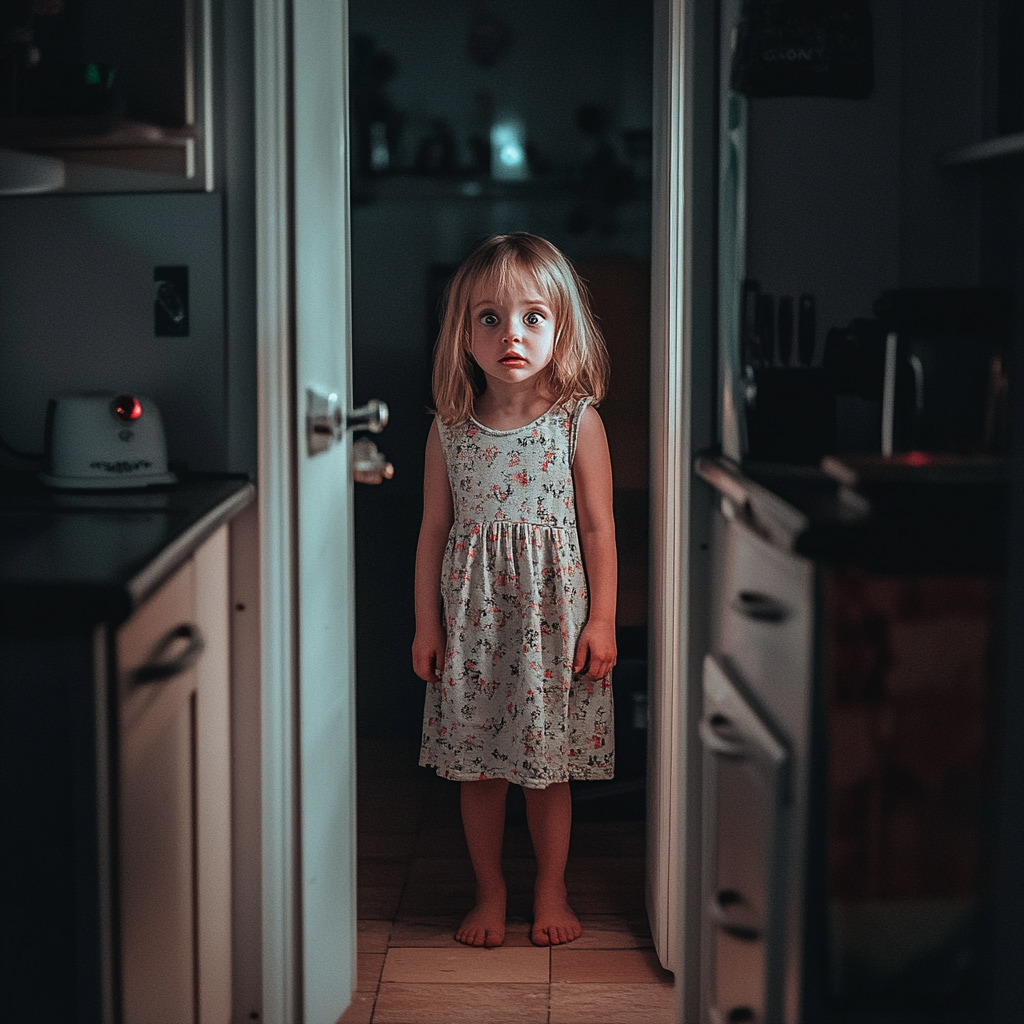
(97, 555)
(115, 626)
(897, 523)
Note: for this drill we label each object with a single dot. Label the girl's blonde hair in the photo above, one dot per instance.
(579, 365)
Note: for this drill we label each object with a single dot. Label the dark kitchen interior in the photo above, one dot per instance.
(429, 84)
(856, 515)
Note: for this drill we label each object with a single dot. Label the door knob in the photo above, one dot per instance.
(326, 423)
(372, 417)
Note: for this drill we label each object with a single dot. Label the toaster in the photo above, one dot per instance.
(104, 441)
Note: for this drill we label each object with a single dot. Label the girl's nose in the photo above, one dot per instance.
(514, 332)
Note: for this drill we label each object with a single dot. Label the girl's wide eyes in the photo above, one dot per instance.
(531, 318)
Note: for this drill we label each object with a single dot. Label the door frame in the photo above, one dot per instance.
(682, 410)
(275, 341)
(683, 384)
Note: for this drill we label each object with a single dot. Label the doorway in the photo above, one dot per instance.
(432, 92)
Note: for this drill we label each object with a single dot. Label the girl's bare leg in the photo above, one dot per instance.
(483, 819)
(549, 815)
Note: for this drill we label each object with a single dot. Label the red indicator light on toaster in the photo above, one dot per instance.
(127, 408)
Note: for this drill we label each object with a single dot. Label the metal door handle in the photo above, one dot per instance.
(326, 424)
(718, 910)
(372, 417)
(712, 738)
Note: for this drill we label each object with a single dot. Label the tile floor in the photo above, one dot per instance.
(415, 884)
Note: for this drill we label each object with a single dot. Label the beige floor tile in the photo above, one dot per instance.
(368, 968)
(360, 1010)
(378, 902)
(372, 936)
(636, 966)
(440, 932)
(612, 1004)
(626, 903)
(467, 966)
(607, 931)
(462, 1004)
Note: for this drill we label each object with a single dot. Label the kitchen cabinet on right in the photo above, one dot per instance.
(870, 309)
(848, 731)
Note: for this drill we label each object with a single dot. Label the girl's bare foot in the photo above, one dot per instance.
(484, 925)
(554, 922)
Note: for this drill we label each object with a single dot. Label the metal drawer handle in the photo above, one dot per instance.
(710, 729)
(763, 607)
(718, 908)
(157, 669)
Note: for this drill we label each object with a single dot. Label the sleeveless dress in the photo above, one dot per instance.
(507, 705)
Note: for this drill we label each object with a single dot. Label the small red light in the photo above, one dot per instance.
(917, 458)
(127, 408)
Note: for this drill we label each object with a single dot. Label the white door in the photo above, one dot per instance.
(309, 951)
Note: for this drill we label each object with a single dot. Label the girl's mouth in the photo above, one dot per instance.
(513, 361)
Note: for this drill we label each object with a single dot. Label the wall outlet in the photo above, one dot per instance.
(170, 302)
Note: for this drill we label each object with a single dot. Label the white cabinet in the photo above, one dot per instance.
(174, 841)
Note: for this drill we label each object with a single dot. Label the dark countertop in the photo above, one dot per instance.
(908, 523)
(97, 555)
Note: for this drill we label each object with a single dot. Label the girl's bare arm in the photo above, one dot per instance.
(428, 646)
(592, 481)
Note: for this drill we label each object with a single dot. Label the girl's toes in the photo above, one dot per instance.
(484, 926)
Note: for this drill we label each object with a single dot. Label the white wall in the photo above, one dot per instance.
(76, 312)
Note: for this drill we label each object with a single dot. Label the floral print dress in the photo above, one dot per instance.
(508, 705)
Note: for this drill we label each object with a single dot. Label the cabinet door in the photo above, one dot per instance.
(175, 798)
(157, 827)
(744, 890)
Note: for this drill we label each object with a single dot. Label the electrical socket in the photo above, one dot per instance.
(170, 302)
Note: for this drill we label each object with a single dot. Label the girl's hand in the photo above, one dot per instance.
(428, 655)
(596, 647)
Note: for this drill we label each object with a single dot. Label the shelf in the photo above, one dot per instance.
(128, 145)
(982, 152)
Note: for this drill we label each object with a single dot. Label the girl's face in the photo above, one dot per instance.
(512, 335)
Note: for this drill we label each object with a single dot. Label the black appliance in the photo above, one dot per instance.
(945, 352)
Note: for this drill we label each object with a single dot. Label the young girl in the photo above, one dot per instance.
(517, 530)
